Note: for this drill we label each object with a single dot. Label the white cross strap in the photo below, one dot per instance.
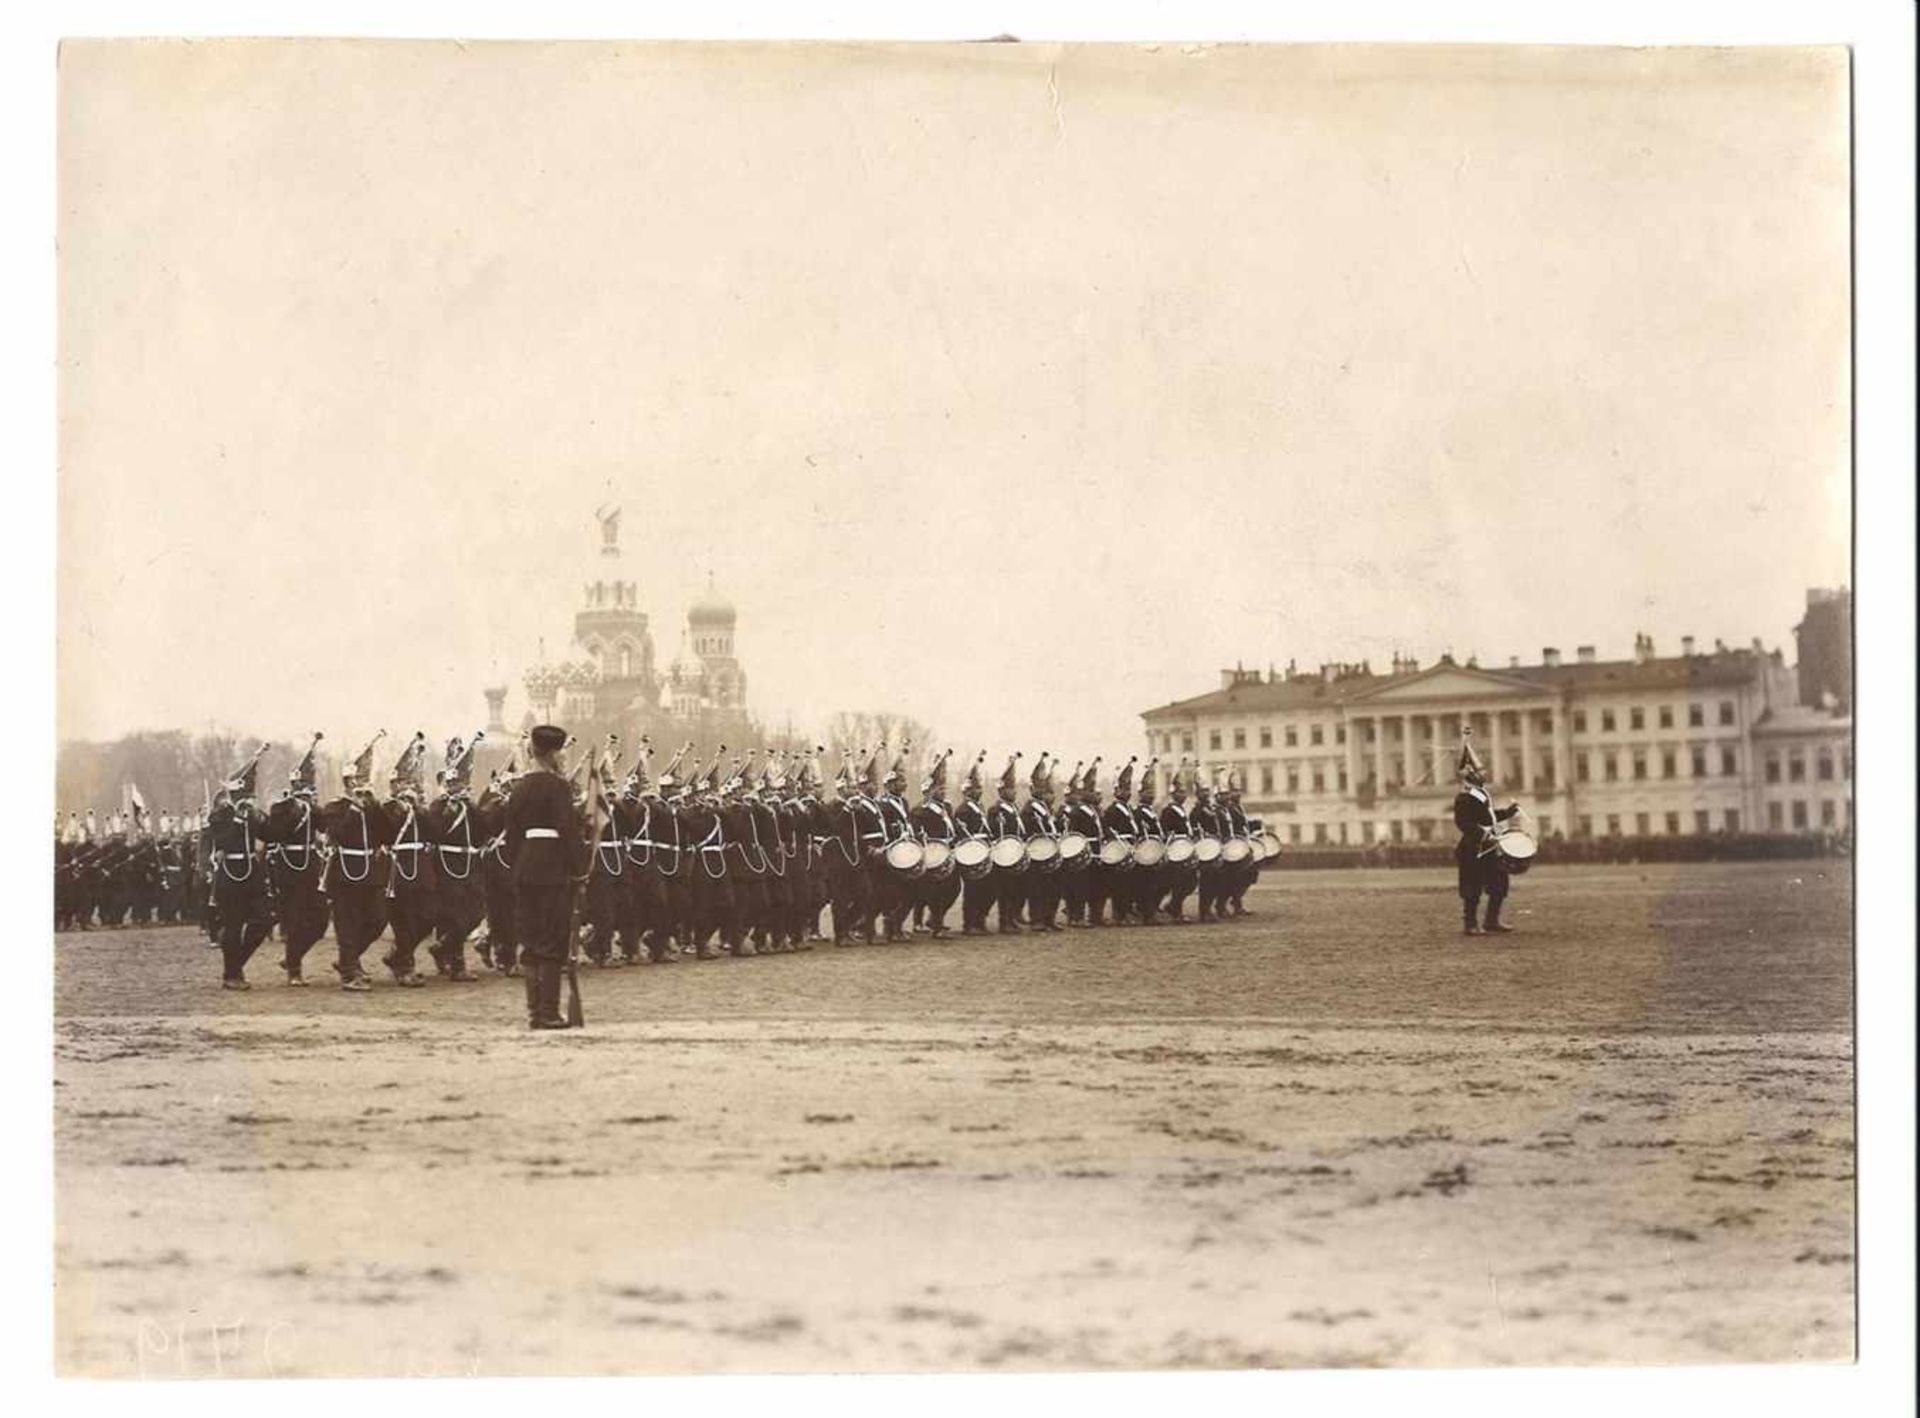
(552, 832)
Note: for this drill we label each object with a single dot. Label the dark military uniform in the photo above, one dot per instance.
(411, 879)
(356, 831)
(1482, 869)
(1043, 884)
(935, 823)
(460, 880)
(293, 860)
(979, 892)
(543, 847)
(1178, 878)
(1009, 883)
(239, 887)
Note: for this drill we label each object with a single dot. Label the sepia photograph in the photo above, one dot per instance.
(906, 707)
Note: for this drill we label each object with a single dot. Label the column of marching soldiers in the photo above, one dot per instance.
(688, 861)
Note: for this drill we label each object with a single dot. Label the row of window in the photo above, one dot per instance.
(1636, 718)
(1639, 764)
(1796, 765)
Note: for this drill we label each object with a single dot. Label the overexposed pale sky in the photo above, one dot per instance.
(1015, 387)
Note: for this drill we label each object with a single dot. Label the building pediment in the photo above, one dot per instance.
(1447, 682)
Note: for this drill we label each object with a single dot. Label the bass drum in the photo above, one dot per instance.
(1074, 853)
(974, 857)
(907, 856)
(1180, 851)
(1149, 851)
(1269, 846)
(1009, 852)
(938, 860)
(1116, 853)
(1517, 850)
(1044, 852)
(1237, 849)
(1207, 851)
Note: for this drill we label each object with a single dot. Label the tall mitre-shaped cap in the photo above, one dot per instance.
(1123, 780)
(975, 778)
(1042, 777)
(244, 784)
(1090, 780)
(1470, 763)
(406, 772)
(305, 777)
(936, 778)
(1010, 775)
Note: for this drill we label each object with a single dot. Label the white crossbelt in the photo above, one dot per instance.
(552, 832)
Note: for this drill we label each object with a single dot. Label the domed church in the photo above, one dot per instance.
(611, 683)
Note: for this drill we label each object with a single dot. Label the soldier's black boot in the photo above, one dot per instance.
(1495, 926)
(531, 978)
(551, 972)
(1472, 913)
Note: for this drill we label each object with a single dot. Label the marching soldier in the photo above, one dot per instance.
(606, 884)
(1241, 875)
(294, 866)
(1150, 882)
(239, 875)
(934, 822)
(1207, 822)
(1181, 877)
(1085, 890)
(1483, 871)
(1118, 824)
(672, 863)
(459, 843)
(357, 833)
(1036, 820)
(545, 849)
(642, 908)
(970, 821)
(1003, 820)
(870, 842)
(497, 945)
(896, 896)
(410, 869)
(712, 900)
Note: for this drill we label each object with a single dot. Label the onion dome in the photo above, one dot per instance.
(710, 609)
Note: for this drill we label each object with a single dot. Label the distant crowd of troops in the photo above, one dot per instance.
(690, 861)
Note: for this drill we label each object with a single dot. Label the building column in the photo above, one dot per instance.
(1563, 763)
(1353, 756)
(1406, 749)
(1379, 755)
(1496, 768)
(1526, 750)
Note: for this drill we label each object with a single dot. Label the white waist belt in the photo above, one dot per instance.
(552, 832)
(354, 851)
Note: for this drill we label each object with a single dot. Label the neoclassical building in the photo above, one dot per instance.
(1704, 741)
(610, 681)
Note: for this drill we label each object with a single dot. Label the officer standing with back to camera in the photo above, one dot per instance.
(543, 847)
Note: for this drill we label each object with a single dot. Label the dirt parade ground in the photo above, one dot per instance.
(1333, 1133)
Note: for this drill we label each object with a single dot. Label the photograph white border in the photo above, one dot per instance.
(1881, 33)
